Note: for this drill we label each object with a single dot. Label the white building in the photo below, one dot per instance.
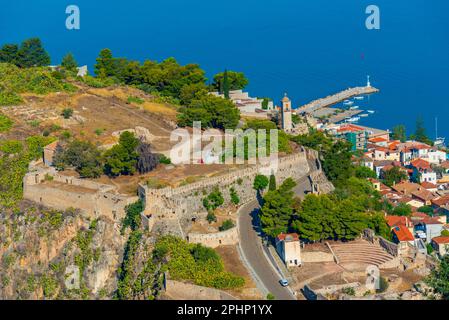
(289, 249)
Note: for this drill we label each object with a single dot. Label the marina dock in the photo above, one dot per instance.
(336, 98)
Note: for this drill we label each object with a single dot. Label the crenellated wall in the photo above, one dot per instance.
(49, 188)
(186, 202)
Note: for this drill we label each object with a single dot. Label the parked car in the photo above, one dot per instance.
(284, 282)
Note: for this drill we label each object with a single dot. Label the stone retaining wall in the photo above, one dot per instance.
(213, 240)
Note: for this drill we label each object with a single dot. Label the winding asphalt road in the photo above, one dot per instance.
(253, 251)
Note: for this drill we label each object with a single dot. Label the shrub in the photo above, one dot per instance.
(11, 146)
(134, 99)
(67, 113)
(5, 122)
(234, 196)
(196, 263)
(213, 200)
(164, 160)
(228, 224)
(271, 296)
(211, 217)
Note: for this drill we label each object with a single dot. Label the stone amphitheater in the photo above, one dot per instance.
(360, 253)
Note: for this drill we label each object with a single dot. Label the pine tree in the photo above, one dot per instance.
(32, 53)
(69, 63)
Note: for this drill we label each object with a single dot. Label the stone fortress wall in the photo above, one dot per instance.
(224, 238)
(167, 210)
(185, 203)
(49, 188)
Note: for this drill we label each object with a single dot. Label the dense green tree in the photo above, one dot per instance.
(69, 63)
(213, 200)
(9, 53)
(260, 182)
(122, 158)
(31, 53)
(272, 185)
(439, 279)
(278, 209)
(105, 64)
(82, 155)
(236, 80)
(426, 209)
(420, 132)
(191, 92)
(314, 221)
(213, 112)
(364, 172)
(393, 176)
(402, 209)
(399, 133)
(337, 162)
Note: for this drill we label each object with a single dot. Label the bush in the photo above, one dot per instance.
(211, 217)
(67, 113)
(5, 123)
(271, 296)
(164, 160)
(196, 263)
(228, 224)
(136, 100)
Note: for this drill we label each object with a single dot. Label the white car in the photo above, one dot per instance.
(284, 282)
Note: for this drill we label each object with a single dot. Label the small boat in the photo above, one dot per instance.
(364, 115)
(349, 103)
(359, 98)
(440, 142)
(371, 111)
(346, 100)
(354, 119)
(354, 108)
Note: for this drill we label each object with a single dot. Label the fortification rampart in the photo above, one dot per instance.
(186, 202)
(49, 188)
(213, 240)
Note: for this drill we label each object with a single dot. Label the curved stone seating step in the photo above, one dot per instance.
(359, 254)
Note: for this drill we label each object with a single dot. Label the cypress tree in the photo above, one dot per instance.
(226, 84)
(272, 185)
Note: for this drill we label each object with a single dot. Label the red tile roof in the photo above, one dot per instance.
(393, 221)
(402, 233)
(420, 164)
(428, 185)
(378, 139)
(288, 237)
(441, 240)
(442, 201)
(350, 128)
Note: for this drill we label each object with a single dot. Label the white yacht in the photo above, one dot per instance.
(349, 103)
(354, 108)
(370, 111)
(359, 98)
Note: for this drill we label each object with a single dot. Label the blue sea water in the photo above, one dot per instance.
(309, 49)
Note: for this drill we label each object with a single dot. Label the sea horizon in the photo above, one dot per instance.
(282, 46)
